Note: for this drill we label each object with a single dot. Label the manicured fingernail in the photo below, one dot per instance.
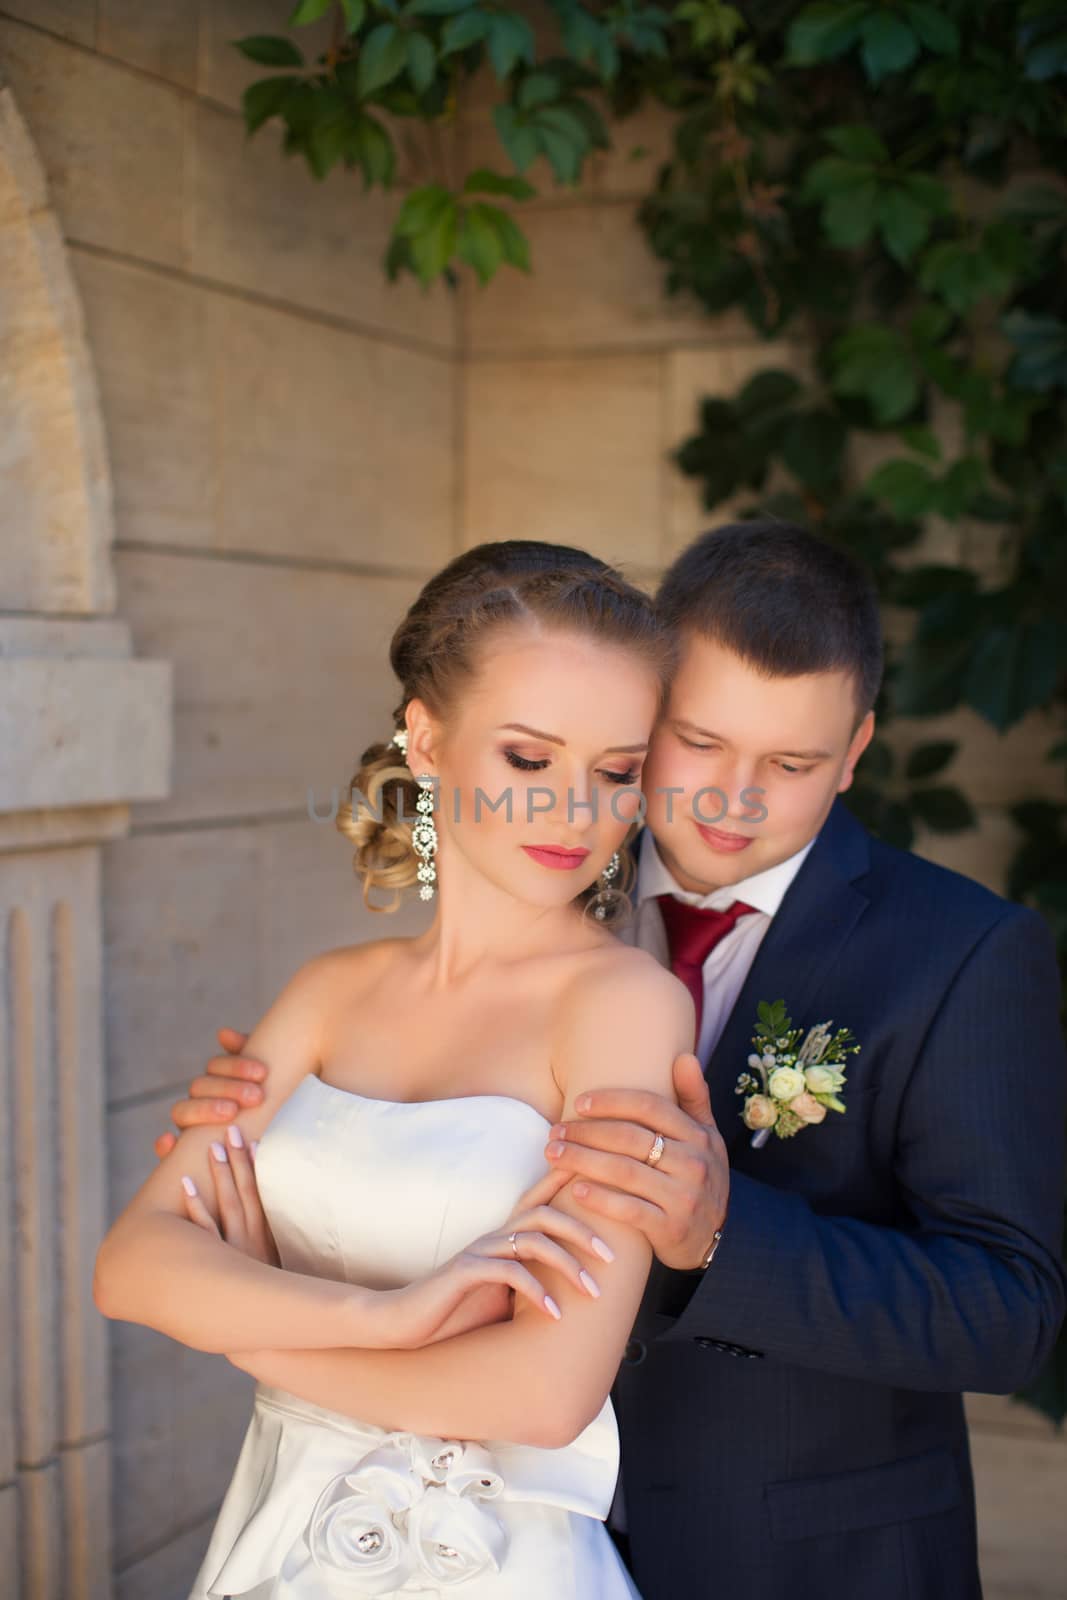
(580, 1191)
(552, 1307)
(188, 1185)
(234, 1135)
(554, 1149)
(604, 1251)
(583, 1102)
(254, 1146)
(590, 1284)
(218, 1150)
(558, 1132)
(251, 1094)
(223, 1107)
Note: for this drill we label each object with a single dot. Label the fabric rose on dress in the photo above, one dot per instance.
(352, 1535)
(454, 1536)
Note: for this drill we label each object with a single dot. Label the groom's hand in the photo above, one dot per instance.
(216, 1097)
(680, 1201)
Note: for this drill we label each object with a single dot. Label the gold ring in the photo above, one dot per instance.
(514, 1246)
(656, 1151)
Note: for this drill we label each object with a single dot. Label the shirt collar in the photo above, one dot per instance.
(764, 891)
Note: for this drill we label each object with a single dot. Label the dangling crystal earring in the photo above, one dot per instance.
(602, 899)
(424, 836)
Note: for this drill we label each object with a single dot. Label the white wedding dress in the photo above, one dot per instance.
(322, 1507)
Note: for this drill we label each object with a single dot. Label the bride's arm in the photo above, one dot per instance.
(526, 1381)
(158, 1268)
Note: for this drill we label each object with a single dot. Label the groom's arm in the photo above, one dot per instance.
(967, 1293)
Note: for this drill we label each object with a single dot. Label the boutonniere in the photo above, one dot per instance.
(796, 1076)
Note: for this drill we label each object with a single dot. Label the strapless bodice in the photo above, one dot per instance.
(380, 1192)
(322, 1505)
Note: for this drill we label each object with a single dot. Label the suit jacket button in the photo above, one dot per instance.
(635, 1352)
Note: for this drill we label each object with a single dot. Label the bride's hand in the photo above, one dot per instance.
(242, 1220)
(477, 1286)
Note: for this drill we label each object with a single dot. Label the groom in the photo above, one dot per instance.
(791, 1398)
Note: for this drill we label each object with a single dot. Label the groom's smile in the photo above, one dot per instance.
(743, 767)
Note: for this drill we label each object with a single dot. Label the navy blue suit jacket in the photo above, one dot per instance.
(792, 1419)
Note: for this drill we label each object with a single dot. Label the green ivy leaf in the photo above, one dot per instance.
(371, 149)
(1041, 342)
(309, 11)
(479, 243)
(849, 216)
(813, 447)
(422, 209)
(517, 137)
(511, 39)
(1015, 669)
(483, 181)
(926, 760)
(537, 89)
(858, 142)
(904, 224)
(888, 45)
(873, 363)
(438, 8)
(908, 487)
(923, 440)
(263, 100)
(937, 31)
(824, 32)
(945, 810)
(354, 13)
(589, 42)
(382, 58)
(459, 33)
(422, 61)
(270, 50)
(513, 241)
(433, 249)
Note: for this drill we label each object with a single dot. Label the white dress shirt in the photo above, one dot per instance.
(727, 965)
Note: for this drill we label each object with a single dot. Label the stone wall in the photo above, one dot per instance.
(294, 445)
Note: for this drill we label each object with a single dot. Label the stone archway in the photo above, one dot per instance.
(84, 730)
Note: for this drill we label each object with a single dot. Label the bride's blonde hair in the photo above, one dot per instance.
(435, 650)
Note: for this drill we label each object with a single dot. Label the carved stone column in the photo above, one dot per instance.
(84, 731)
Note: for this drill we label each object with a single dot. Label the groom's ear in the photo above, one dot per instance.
(860, 740)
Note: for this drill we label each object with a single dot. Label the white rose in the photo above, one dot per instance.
(786, 1083)
(455, 1537)
(807, 1108)
(820, 1080)
(351, 1534)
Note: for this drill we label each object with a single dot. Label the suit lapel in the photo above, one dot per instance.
(806, 935)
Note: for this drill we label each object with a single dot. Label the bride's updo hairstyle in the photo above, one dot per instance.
(436, 650)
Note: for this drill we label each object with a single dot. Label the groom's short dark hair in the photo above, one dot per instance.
(781, 598)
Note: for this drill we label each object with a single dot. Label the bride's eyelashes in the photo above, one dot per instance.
(524, 764)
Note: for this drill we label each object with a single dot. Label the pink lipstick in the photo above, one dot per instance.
(554, 855)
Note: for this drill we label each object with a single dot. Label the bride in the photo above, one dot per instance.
(430, 1414)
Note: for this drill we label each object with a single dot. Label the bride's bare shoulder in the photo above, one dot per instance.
(627, 978)
(351, 969)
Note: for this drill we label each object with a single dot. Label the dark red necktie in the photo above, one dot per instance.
(692, 933)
